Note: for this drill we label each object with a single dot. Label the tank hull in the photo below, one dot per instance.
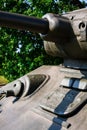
(28, 113)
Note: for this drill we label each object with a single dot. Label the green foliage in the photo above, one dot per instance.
(22, 51)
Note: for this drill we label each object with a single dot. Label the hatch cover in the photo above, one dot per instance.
(64, 102)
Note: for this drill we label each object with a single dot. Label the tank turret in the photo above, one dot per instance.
(64, 36)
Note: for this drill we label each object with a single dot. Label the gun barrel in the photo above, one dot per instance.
(23, 22)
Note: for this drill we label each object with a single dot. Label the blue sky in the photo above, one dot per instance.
(84, 0)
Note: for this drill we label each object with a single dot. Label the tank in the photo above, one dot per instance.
(50, 97)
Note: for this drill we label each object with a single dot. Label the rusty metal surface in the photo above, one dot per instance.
(26, 114)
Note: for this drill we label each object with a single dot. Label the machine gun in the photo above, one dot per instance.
(50, 97)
